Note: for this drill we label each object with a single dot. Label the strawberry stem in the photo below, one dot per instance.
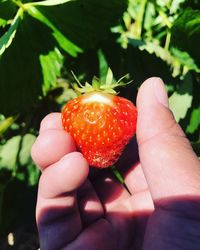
(119, 177)
(117, 174)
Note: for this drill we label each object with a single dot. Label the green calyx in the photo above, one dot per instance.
(108, 86)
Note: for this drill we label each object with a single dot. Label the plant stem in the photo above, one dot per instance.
(117, 174)
(141, 19)
(167, 40)
(119, 177)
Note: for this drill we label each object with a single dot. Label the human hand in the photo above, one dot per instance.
(161, 211)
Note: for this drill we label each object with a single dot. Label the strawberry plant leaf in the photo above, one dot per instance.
(33, 174)
(8, 153)
(186, 32)
(64, 43)
(7, 10)
(50, 2)
(3, 22)
(181, 100)
(7, 38)
(21, 79)
(109, 77)
(26, 144)
(179, 105)
(5, 124)
(51, 64)
(194, 121)
(79, 20)
(103, 66)
(185, 59)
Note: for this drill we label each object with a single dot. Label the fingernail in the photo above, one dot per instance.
(160, 92)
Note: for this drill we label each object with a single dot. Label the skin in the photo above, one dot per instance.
(78, 209)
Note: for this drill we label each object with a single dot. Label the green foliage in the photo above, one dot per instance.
(41, 42)
(71, 25)
(51, 64)
(186, 32)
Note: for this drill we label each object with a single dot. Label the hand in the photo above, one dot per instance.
(77, 212)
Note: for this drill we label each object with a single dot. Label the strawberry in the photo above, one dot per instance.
(100, 122)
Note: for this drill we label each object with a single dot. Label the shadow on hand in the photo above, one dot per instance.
(175, 224)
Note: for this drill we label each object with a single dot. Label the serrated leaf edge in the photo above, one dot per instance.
(10, 34)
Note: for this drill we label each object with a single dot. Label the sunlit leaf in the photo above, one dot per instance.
(3, 22)
(63, 41)
(194, 121)
(33, 174)
(50, 2)
(8, 153)
(103, 66)
(179, 105)
(186, 32)
(85, 22)
(51, 68)
(185, 59)
(25, 149)
(7, 38)
(109, 77)
(20, 73)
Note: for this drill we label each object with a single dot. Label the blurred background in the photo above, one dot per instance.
(41, 42)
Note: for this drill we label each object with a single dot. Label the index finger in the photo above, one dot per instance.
(51, 121)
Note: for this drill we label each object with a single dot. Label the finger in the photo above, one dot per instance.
(64, 176)
(110, 191)
(135, 179)
(90, 206)
(52, 143)
(130, 168)
(51, 121)
(57, 209)
(170, 166)
(50, 146)
(113, 196)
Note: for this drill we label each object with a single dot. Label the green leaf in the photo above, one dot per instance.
(194, 121)
(26, 144)
(3, 22)
(179, 105)
(7, 38)
(20, 70)
(185, 59)
(186, 32)
(76, 21)
(103, 66)
(33, 174)
(7, 10)
(64, 43)
(5, 124)
(50, 2)
(85, 22)
(181, 100)
(52, 64)
(180, 62)
(109, 77)
(9, 152)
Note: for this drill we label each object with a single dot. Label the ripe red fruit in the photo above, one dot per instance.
(101, 125)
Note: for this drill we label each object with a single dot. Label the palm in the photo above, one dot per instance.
(125, 212)
(104, 215)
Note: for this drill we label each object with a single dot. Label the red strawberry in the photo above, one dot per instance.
(101, 125)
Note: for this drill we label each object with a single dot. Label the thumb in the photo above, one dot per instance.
(170, 166)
